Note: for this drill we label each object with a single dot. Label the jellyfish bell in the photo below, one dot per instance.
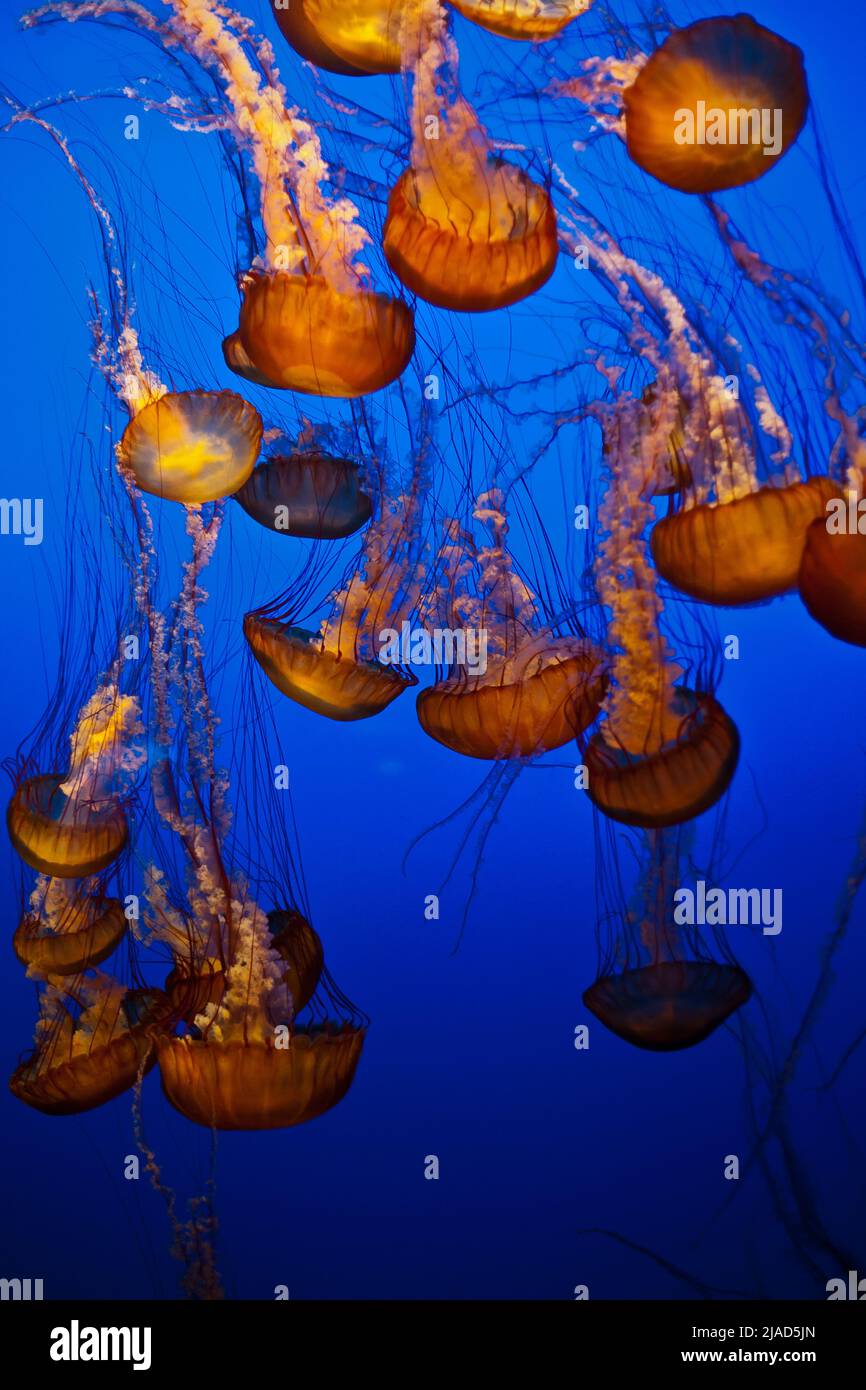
(257, 1085)
(531, 20)
(465, 229)
(354, 38)
(192, 446)
(333, 683)
(520, 710)
(77, 1068)
(237, 361)
(676, 778)
(833, 581)
(300, 946)
(62, 836)
(742, 551)
(307, 494)
(669, 1005)
(194, 984)
(73, 931)
(300, 333)
(716, 106)
(471, 240)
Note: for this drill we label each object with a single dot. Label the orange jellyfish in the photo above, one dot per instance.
(732, 538)
(310, 494)
(301, 948)
(69, 928)
(535, 20)
(187, 446)
(247, 1064)
(355, 38)
(519, 689)
(340, 672)
(658, 987)
(80, 1064)
(309, 320)
(742, 550)
(833, 568)
(664, 753)
(465, 229)
(74, 825)
(716, 106)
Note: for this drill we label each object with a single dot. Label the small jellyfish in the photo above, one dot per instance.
(72, 825)
(670, 1004)
(717, 105)
(301, 948)
(78, 1064)
(309, 494)
(465, 229)
(534, 20)
(355, 38)
(537, 690)
(832, 576)
(658, 986)
(664, 753)
(69, 928)
(338, 671)
(186, 446)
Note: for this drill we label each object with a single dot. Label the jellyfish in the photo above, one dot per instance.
(465, 229)
(70, 825)
(339, 671)
(658, 987)
(187, 446)
(79, 1063)
(245, 1061)
(69, 928)
(534, 20)
(309, 320)
(538, 690)
(664, 753)
(832, 581)
(355, 38)
(717, 105)
(301, 948)
(304, 491)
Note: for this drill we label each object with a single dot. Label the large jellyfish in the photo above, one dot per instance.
(538, 690)
(85, 1057)
(356, 38)
(309, 320)
(717, 105)
(465, 228)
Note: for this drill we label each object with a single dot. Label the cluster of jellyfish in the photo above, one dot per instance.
(703, 498)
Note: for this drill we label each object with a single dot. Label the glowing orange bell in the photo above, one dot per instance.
(298, 333)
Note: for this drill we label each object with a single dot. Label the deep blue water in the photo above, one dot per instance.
(470, 1054)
